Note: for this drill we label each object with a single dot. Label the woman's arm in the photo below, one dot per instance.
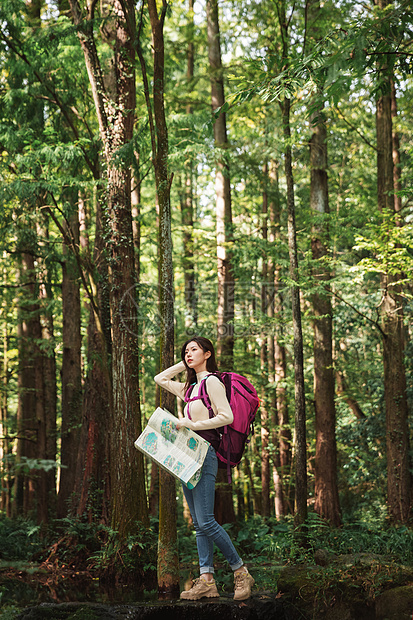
(164, 379)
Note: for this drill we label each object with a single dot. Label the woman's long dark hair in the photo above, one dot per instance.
(206, 345)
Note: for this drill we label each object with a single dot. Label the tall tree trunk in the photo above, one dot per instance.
(187, 206)
(300, 414)
(46, 406)
(277, 372)
(92, 480)
(397, 173)
(136, 212)
(168, 559)
(71, 371)
(5, 444)
(399, 494)
(342, 390)
(225, 346)
(224, 508)
(264, 413)
(28, 331)
(115, 108)
(326, 490)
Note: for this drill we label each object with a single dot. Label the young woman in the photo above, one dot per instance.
(198, 359)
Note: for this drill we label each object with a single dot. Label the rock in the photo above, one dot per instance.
(395, 604)
(322, 557)
(262, 606)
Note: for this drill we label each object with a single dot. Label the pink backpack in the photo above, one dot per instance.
(244, 402)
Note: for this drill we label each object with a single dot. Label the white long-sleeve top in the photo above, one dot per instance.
(200, 419)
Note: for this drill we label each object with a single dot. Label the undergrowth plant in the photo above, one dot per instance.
(20, 539)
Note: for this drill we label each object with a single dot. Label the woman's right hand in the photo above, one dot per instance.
(184, 423)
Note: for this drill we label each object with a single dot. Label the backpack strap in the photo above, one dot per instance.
(202, 395)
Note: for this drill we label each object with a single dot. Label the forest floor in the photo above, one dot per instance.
(353, 573)
(350, 587)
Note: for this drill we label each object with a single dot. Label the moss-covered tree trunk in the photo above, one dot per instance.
(168, 560)
(225, 344)
(399, 491)
(92, 478)
(5, 443)
(29, 332)
(187, 199)
(326, 489)
(277, 370)
(224, 508)
(264, 409)
(71, 372)
(46, 402)
(300, 448)
(115, 107)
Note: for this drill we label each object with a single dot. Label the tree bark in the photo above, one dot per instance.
(46, 401)
(168, 560)
(115, 108)
(224, 508)
(277, 371)
(71, 371)
(399, 493)
(225, 328)
(187, 202)
(300, 414)
(342, 390)
(5, 445)
(326, 490)
(264, 408)
(92, 480)
(28, 332)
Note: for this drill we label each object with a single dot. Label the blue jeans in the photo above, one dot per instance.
(201, 501)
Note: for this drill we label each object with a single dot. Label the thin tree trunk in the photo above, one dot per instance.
(342, 390)
(92, 481)
(5, 445)
(46, 405)
(277, 372)
(326, 490)
(28, 331)
(399, 494)
(249, 481)
(71, 372)
(397, 173)
(300, 415)
(168, 560)
(224, 508)
(136, 212)
(187, 206)
(265, 435)
(225, 344)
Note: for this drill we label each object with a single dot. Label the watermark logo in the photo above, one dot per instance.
(247, 309)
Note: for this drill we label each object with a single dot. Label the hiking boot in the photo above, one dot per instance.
(243, 584)
(200, 588)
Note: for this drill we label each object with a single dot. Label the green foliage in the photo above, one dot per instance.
(136, 554)
(268, 545)
(20, 539)
(389, 250)
(10, 612)
(347, 52)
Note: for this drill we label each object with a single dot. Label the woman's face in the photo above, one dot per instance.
(196, 357)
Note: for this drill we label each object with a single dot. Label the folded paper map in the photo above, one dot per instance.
(180, 452)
